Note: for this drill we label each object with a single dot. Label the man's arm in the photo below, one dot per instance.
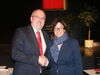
(18, 53)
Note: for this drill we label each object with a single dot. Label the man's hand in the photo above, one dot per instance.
(43, 61)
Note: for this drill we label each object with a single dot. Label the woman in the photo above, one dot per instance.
(64, 57)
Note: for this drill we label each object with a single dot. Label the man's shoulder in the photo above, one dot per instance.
(23, 28)
(45, 32)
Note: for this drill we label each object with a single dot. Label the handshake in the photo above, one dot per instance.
(43, 61)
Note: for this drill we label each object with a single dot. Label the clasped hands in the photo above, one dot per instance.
(43, 61)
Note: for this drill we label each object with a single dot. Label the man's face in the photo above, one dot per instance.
(38, 19)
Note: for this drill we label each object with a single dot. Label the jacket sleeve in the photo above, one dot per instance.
(18, 53)
(77, 58)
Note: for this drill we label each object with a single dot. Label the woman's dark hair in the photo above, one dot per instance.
(61, 20)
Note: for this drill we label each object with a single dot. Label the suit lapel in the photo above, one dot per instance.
(32, 38)
(65, 46)
(46, 41)
(31, 34)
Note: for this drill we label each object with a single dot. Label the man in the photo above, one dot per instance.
(26, 53)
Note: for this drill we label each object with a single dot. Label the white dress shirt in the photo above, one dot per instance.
(42, 39)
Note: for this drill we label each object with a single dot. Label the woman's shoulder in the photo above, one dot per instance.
(72, 40)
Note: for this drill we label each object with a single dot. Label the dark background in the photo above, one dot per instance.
(16, 13)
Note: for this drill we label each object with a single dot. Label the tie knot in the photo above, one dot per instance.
(37, 33)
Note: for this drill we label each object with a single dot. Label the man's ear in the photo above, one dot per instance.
(31, 18)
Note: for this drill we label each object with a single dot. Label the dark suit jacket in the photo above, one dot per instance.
(69, 60)
(25, 51)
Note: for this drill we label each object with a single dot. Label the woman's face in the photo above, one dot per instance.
(59, 29)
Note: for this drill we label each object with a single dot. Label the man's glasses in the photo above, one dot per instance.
(43, 18)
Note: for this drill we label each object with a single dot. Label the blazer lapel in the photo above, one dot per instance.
(31, 34)
(32, 37)
(46, 41)
(65, 46)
